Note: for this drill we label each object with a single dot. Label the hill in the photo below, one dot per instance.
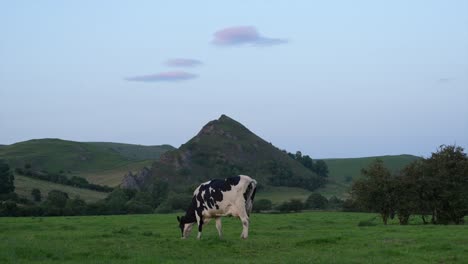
(103, 163)
(343, 171)
(223, 148)
(135, 152)
(56, 155)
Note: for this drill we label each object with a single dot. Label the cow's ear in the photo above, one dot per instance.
(178, 219)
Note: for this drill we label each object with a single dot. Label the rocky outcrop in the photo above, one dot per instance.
(136, 181)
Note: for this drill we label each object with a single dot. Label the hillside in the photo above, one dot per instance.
(56, 155)
(24, 186)
(101, 163)
(223, 148)
(135, 152)
(343, 171)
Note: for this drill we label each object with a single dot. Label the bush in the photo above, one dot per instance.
(36, 194)
(335, 203)
(294, 205)
(316, 201)
(135, 207)
(179, 201)
(8, 208)
(262, 205)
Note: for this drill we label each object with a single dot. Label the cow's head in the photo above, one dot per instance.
(185, 227)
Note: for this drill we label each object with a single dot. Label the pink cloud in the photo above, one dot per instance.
(172, 76)
(180, 62)
(243, 35)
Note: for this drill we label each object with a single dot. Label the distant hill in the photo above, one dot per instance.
(223, 148)
(343, 171)
(101, 163)
(135, 152)
(76, 157)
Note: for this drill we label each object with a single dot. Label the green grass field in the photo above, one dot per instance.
(312, 237)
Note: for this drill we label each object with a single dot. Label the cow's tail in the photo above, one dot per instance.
(250, 195)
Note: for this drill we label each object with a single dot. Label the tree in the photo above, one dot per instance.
(75, 206)
(57, 199)
(159, 191)
(447, 173)
(55, 203)
(321, 168)
(375, 190)
(7, 179)
(116, 201)
(316, 201)
(36, 194)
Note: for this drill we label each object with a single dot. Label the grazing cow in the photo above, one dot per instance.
(220, 197)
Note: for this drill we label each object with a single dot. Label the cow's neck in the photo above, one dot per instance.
(190, 215)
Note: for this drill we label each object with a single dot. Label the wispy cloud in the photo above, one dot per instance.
(444, 80)
(181, 62)
(244, 35)
(173, 76)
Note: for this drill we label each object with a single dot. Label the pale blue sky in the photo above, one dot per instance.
(349, 79)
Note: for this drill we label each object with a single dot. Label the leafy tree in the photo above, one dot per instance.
(316, 201)
(6, 179)
(75, 206)
(406, 200)
(262, 205)
(140, 203)
(159, 191)
(321, 168)
(116, 201)
(447, 170)
(56, 198)
(55, 203)
(36, 194)
(375, 190)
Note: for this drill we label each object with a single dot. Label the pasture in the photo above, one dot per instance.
(310, 237)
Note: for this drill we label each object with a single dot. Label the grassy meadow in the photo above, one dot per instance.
(311, 237)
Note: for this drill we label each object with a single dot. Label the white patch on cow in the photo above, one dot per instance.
(187, 230)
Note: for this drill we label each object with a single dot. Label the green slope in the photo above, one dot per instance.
(343, 171)
(98, 162)
(134, 152)
(24, 185)
(54, 155)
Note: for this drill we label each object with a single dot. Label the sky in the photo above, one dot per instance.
(328, 78)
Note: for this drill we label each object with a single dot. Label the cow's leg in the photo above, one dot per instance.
(200, 225)
(199, 217)
(218, 226)
(245, 225)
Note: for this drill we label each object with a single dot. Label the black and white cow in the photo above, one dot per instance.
(220, 197)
